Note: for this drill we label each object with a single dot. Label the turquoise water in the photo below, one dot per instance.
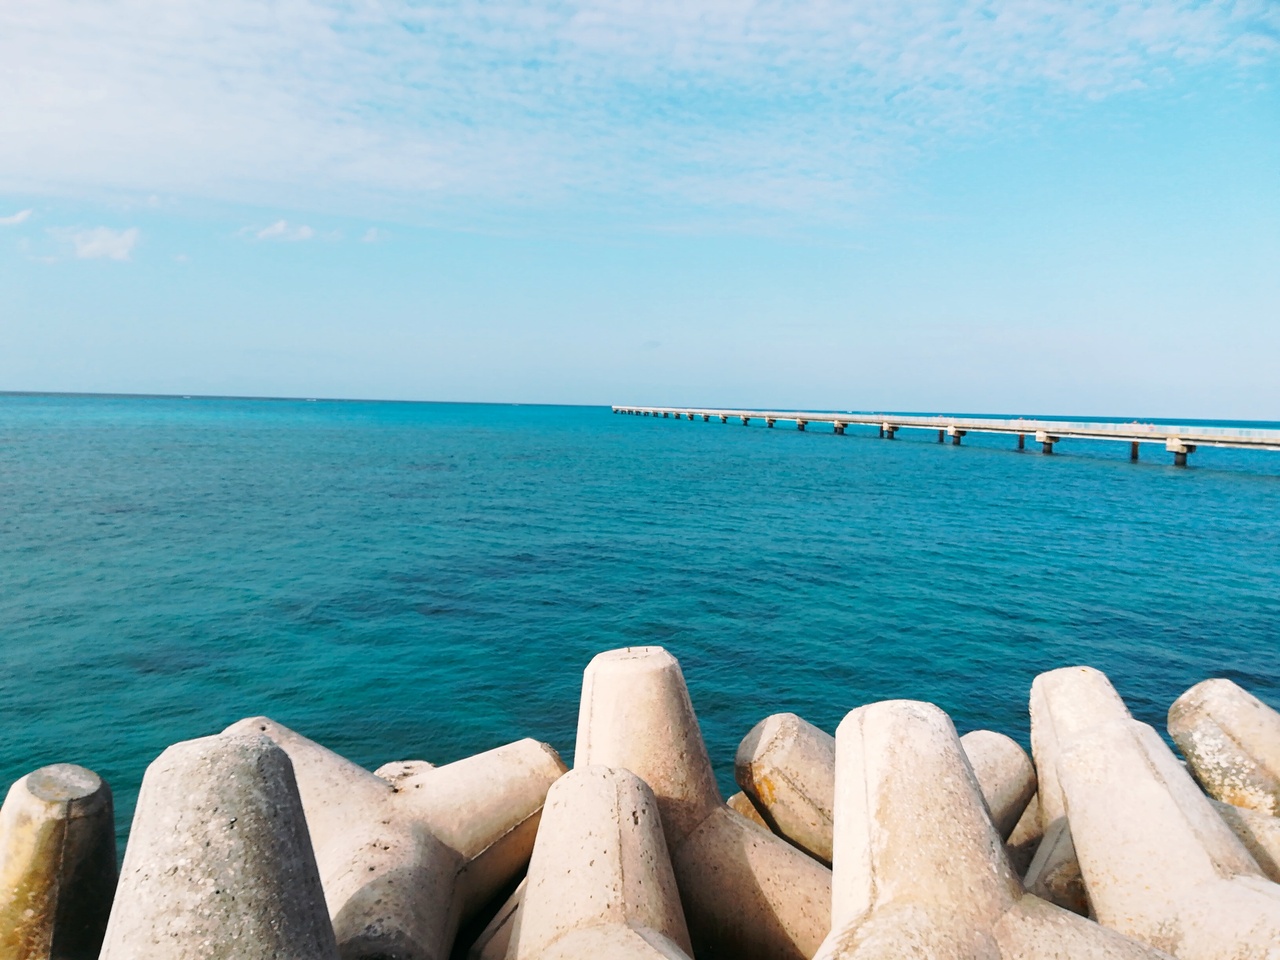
(429, 580)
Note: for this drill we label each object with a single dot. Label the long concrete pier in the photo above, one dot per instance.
(1178, 440)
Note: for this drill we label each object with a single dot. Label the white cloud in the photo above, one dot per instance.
(14, 219)
(374, 235)
(723, 104)
(98, 243)
(281, 230)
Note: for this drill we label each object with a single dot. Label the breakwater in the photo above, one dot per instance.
(896, 837)
(1180, 441)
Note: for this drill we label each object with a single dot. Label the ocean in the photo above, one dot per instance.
(425, 581)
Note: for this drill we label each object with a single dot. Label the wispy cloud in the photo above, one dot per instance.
(722, 104)
(282, 230)
(373, 235)
(14, 219)
(97, 243)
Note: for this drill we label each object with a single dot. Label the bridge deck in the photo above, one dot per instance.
(1172, 437)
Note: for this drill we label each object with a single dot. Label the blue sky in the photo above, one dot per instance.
(1029, 207)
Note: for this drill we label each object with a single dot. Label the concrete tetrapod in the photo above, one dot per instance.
(786, 767)
(57, 865)
(403, 865)
(1005, 775)
(219, 864)
(746, 893)
(1159, 862)
(494, 942)
(1065, 704)
(919, 868)
(600, 882)
(1231, 740)
(487, 807)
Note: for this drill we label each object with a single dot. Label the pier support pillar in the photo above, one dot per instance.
(1046, 442)
(1179, 450)
(887, 430)
(1022, 441)
(706, 418)
(665, 414)
(839, 427)
(745, 421)
(801, 424)
(942, 436)
(724, 419)
(1133, 451)
(769, 422)
(955, 435)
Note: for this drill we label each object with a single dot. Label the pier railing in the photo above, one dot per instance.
(1178, 440)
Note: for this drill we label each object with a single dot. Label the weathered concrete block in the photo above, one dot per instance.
(403, 864)
(1231, 740)
(1065, 704)
(1005, 775)
(486, 807)
(57, 865)
(600, 882)
(219, 864)
(920, 870)
(786, 766)
(388, 882)
(741, 804)
(745, 893)
(1259, 832)
(1159, 862)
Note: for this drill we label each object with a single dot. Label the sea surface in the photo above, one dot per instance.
(424, 581)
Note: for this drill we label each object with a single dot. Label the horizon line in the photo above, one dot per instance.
(98, 394)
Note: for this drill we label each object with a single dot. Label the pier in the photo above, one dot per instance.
(1177, 440)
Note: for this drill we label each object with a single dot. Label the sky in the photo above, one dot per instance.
(1021, 207)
